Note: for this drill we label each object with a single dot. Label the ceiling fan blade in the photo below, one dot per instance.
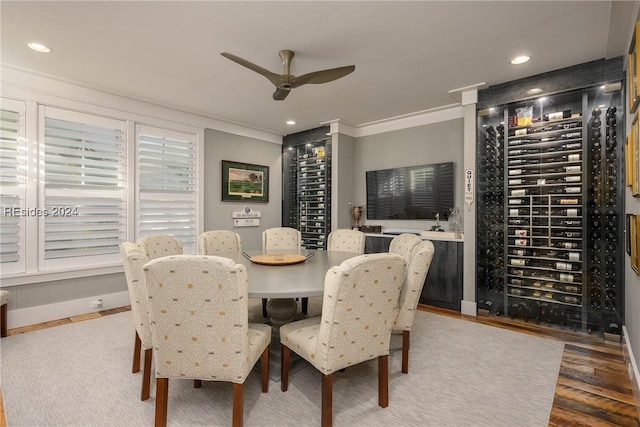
(281, 94)
(273, 77)
(323, 76)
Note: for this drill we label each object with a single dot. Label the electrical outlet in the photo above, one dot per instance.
(96, 303)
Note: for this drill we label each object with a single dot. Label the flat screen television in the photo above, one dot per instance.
(413, 192)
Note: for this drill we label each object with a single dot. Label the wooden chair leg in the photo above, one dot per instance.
(137, 347)
(238, 405)
(146, 374)
(383, 381)
(305, 305)
(327, 400)
(197, 383)
(285, 357)
(3, 320)
(162, 397)
(264, 359)
(264, 307)
(405, 351)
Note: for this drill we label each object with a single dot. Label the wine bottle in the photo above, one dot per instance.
(531, 161)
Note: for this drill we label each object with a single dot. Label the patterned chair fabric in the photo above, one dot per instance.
(359, 307)
(133, 259)
(159, 245)
(284, 238)
(404, 244)
(417, 271)
(346, 240)
(199, 326)
(281, 238)
(224, 243)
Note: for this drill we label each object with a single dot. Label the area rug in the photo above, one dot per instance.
(461, 374)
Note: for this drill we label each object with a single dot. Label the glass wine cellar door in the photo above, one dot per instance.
(550, 210)
(306, 161)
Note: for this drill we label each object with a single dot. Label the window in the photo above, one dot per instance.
(167, 196)
(82, 189)
(13, 152)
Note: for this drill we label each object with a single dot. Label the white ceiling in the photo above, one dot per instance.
(408, 55)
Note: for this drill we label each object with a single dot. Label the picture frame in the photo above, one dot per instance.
(633, 231)
(633, 68)
(635, 166)
(635, 244)
(627, 232)
(244, 182)
(628, 161)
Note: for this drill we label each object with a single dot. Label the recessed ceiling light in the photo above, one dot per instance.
(39, 47)
(534, 91)
(291, 122)
(519, 60)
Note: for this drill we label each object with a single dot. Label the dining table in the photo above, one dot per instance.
(281, 276)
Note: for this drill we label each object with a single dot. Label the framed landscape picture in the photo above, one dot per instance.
(244, 182)
(633, 69)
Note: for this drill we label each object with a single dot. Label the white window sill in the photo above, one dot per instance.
(50, 276)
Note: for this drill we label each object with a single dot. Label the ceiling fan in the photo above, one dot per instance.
(285, 82)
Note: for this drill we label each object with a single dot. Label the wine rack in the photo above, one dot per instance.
(548, 249)
(308, 186)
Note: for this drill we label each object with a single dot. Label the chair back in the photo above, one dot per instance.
(224, 243)
(404, 244)
(159, 245)
(133, 259)
(199, 319)
(346, 240)
(281, 238)
(417, 271)
(359, 306)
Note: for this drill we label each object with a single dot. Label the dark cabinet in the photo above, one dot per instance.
(443, 285)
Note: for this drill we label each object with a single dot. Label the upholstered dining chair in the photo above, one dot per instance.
(224, 243)
(403, 244)
(133, 259)
(359, 307)
(281, 238)
(199, 326)
(417, 271)
(159, 245)
(346, 240)
(284, 238)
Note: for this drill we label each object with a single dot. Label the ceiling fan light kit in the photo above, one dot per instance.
(285, 82)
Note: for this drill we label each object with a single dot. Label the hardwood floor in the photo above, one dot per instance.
(593, 387)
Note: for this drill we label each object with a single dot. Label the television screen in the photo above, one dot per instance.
(413, 192)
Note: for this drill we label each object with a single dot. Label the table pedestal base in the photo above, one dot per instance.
(281, 311)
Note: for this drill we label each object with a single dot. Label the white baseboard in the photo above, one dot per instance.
(469, 308)
(61, 310)
(634, 374)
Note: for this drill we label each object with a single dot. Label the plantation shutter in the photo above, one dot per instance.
(84, 190)
(167, 197)
(13, 153)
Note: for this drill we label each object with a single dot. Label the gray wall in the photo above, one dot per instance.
(220, 146)
(342, 174)
(433, 143)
